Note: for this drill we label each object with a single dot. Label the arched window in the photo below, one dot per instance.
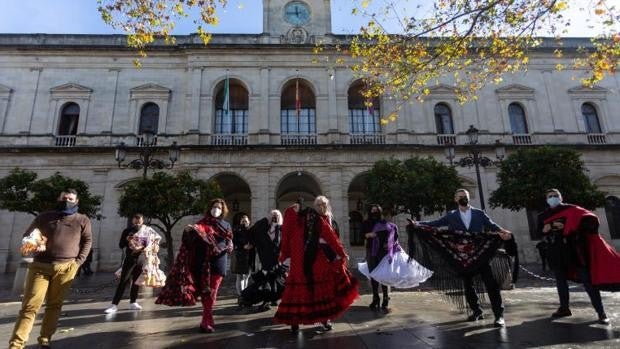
(590, 117)
(297, 108)
(231, 109)
(612, 211)
(69, 118)
(355, 228)
(443, 119)
(518, 124)
(149, 118)
(364, 114)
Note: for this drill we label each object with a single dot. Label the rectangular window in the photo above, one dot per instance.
(235, 122)
(291, 123)
(362, 121)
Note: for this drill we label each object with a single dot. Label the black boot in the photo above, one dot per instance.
(294, 328)
(375, 302)
(384, 304)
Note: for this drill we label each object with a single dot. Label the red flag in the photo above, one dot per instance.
(297, 99)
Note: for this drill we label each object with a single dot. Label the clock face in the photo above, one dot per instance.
(297, 13)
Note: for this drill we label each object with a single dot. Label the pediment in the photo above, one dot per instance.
(515, 88)
(442, 89)
(71, 88)
(150, 87)
(583, 90)
(5, 89)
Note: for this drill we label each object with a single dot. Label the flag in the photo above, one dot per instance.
(226, 104)
(297, 99)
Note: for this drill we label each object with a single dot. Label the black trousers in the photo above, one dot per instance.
(492, 291)
(130, 273)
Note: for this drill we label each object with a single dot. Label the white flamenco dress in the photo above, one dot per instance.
(400, 272)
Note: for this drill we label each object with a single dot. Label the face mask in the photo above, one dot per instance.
(274, 219)
(463, 201)
(69, 204)
(553, 201)
(245, 223)
(216, 212)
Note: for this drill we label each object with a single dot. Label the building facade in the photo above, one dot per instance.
(66, 102)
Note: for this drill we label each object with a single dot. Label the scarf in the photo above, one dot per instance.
(210, 229)
(311, 243)
(392, 245)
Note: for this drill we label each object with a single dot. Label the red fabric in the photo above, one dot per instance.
(334, 288)
(603, 260)
(209, 301)
(208, 228)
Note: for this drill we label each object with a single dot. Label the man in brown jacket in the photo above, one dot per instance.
(69, 240)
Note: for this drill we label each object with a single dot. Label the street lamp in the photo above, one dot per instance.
(145, 158)
(475, 157)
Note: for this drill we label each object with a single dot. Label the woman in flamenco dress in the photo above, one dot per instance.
(319, 286)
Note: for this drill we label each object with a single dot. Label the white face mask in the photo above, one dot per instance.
(216, 212)
(553, 201)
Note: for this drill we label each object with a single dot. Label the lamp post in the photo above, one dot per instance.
(146, 154)
(475, 158)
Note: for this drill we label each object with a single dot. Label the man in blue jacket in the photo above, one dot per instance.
(470, 219)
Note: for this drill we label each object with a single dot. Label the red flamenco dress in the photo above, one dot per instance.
(319, 287)
(199, 268)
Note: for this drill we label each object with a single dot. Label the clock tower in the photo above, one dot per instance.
(296, 21)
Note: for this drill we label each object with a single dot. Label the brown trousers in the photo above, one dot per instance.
(49, 282)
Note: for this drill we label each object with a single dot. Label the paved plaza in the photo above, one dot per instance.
(420, 319)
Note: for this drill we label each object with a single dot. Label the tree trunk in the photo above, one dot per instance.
(169, 249)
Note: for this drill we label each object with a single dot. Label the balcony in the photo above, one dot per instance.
(446, 139)
(229, 139)
(521, 139)
(367, 138)
(596, 138)
(141, 141)
(64, 141)
(298, 139)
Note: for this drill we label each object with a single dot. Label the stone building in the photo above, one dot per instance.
(66, 102)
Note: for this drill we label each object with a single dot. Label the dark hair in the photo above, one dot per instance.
(552, 190)
(138, 216)
(237, 218)
(70, 191)
(224, 207)
(378, 208)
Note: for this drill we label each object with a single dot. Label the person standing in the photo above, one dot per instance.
(201, 264)
(131, 267)
(474, 221)
(51, 274)
(577, 252)
(265, 237)
(318, 289)
(381, 238)
(242, 258)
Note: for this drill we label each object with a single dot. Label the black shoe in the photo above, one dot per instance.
(327, 325)
(386, 301)
(45, 346)
(264, 307)
(561, 312)
(375, 303)
(294, 328)
(603, 319)
(477, 315)
(499, 322)
(207, 329)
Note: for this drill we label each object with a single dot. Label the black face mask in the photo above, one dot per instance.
(375, 216)
(463, 201)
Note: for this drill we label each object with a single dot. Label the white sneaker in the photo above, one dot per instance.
(135, 306)
(111, 309)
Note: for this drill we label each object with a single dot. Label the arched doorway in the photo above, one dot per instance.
(295, 185)
(357, 207)
(236, 192)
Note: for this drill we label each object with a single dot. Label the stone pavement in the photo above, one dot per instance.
(420, 319)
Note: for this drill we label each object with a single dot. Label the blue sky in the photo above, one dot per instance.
(240, 16)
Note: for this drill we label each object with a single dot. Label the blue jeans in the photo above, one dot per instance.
(561, 282)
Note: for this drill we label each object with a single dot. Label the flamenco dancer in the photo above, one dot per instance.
(200, 265)
(577, 252)
(319, 287)
(467, 250)
(386, 263)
